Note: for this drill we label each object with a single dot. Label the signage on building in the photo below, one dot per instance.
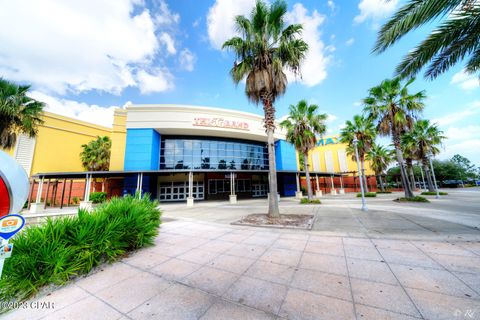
(221, 123)
(327, 141)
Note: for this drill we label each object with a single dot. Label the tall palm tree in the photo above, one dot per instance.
(394, 110)
(364, 130)
(380, 158)
(19, 114)
(455, 39)
(95, 155)
(264, 50)
(303, 125)
(424, 139)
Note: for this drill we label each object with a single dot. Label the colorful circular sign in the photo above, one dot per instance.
(13, 185)
(10, 225)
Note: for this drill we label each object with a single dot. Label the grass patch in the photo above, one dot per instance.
(367, 195)
(61, 249)
(430, 193)
(414, 199)
(383, 192)
(313, 201)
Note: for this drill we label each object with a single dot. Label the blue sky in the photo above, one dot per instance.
(86, 57)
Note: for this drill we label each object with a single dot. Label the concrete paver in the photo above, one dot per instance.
(398, 261)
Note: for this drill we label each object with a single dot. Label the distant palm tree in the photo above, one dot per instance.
(95, 155)
(394, 110)
(19, 114)
(424, 139)
(303, 126)
(364, 130)
(456, 38)
(380, 158)
(265, 48)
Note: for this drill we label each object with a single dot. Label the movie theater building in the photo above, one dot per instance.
(175, 152)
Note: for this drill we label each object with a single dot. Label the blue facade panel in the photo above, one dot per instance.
(142, 150)
(285, 155)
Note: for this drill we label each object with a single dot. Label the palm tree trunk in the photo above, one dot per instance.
(381, 183)
(307, 177)
(365, 184)
(269, 110)
(405, 183)
(410, 173)
(426, 168)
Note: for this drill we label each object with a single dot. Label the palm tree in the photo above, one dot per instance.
(409, 154)
(95, 155)
(364, 130)
(455, 39)
(265, 48)
(19, 114)
(394, 110)
(380, 158)
(424, 138)
(303, 125)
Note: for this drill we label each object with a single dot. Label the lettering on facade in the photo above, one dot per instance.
(324, 142)
(221, 123)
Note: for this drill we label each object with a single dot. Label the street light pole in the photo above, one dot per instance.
(423, 179)
(434, 179)
(364, 205)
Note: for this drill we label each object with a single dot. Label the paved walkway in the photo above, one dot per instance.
(200, 269)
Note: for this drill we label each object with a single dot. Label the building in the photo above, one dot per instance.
(175, 152)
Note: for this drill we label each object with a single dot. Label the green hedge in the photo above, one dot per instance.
(98, 197)
(383, 192)
(367, 194)
(313, 201)
(60, 249)
(430, 193)
(414, 199)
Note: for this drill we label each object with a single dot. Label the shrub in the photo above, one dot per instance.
(60, 249)
(383, 192)
(76, 200)
(98, 197)
(367, 195)
(430, 193)
(414, 199)
(313, 201)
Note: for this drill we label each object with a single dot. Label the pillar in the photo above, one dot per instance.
(342, 190)
(233, 196)
(318, 192)
(86, 203)
(333, 191)
(190, 190)
(298, 193)
(37, 206)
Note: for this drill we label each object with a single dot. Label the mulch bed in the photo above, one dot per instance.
(286, 221)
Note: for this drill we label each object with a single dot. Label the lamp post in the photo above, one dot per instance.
(364, 205)
(433, 174)
(423, 179)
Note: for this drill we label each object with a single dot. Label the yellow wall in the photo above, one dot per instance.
(119, 140)
(334, 148)
(58, 143)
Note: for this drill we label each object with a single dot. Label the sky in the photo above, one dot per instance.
(85, 58)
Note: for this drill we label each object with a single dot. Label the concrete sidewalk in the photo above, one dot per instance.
(204, 270)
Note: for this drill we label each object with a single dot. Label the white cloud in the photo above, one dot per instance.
(472, 109)
(78, 46)
(463, 133)
(465, 81)
(467, 148)
(196, 23)
(357, 103)
(315, 64)
(78, 110)
(187, 60)
(375, 10)
(331, 4)
(157, 81)
(331, 117)
(168, 42)
(350, 42)
(220, 19)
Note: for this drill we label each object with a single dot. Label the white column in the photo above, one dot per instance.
(190, 190)
(37, 205)
(318, 192)
(233, 196)
(86, 203)
(333, 191)
(140, 185)
(298, 193)
(341, 191)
